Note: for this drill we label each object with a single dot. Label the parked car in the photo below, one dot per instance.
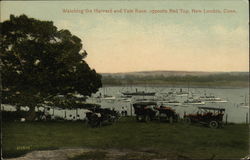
(149, 111)
(98, 116)
(167, 114)
(212, 117)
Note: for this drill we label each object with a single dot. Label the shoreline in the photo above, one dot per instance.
(181, 85)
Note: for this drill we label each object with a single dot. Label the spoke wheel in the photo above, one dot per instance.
(94, 121)
(187, 120)
(171, 119)
(139, 118)
(146, 118)
(213, 124)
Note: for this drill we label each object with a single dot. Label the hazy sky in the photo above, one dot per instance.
(121, 42)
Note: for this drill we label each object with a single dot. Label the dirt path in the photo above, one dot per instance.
(101, 154)
(65, 154)
(60, 154)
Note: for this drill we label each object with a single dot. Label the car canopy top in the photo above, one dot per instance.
(144, 103)
(88, 106)
(213, 109)
(82, 106)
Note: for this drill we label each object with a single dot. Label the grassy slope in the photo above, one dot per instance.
(170, 139)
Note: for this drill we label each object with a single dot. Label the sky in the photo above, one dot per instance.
(179, 38)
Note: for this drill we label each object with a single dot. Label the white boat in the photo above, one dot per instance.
(172, 103)
(216, 101)
(108, 97)
(124, 99)
(181, 93)
(105, 96)
(128, 100)
(193, 102)
(244, 106)
(211, 99)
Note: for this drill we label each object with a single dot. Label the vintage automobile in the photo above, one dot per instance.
(98, 116)
(212, 117)
(149, 111)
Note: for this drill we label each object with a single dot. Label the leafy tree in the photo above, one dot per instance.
(40, 61)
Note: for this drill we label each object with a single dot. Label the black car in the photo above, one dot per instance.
(98, 116)
(149, 111)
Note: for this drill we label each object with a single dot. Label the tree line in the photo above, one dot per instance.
(135, 79)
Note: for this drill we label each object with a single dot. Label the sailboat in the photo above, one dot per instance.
(194, 102)
(138, 93)
(211, 99)
(182, 93)
(244, 104)
(105, 96)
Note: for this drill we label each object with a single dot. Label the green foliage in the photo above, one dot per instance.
(12, 116)
(38, 61)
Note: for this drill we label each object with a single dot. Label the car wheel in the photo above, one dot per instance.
(213, 124)
(139, 118)
(178, 119)
(171, 119)
(146, 118)
(187, 120)
(94, 121)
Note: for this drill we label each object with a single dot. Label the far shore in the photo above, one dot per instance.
(223, 85)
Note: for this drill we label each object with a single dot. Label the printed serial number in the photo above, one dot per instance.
(23, 147)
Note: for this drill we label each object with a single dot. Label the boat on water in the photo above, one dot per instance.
(244, 106)
(128, 100)
(139, 93)
(145, 100)
(216, 101)
(126, 96)
(104, 96)
(171, 103)
(209, 97)
(193, 102)
(124, 99)
(108, 97)
(181, 93)
(212, 99)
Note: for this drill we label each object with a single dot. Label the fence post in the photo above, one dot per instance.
(246, 118)
(226, 118)
(131, 109)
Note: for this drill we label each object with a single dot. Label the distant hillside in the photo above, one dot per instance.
(177, 77)
(171, 73)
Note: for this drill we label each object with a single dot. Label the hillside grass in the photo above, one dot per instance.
(192, 141)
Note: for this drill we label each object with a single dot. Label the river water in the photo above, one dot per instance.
(235, 111)
(236, 99)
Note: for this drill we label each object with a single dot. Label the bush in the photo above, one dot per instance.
(12, 116)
